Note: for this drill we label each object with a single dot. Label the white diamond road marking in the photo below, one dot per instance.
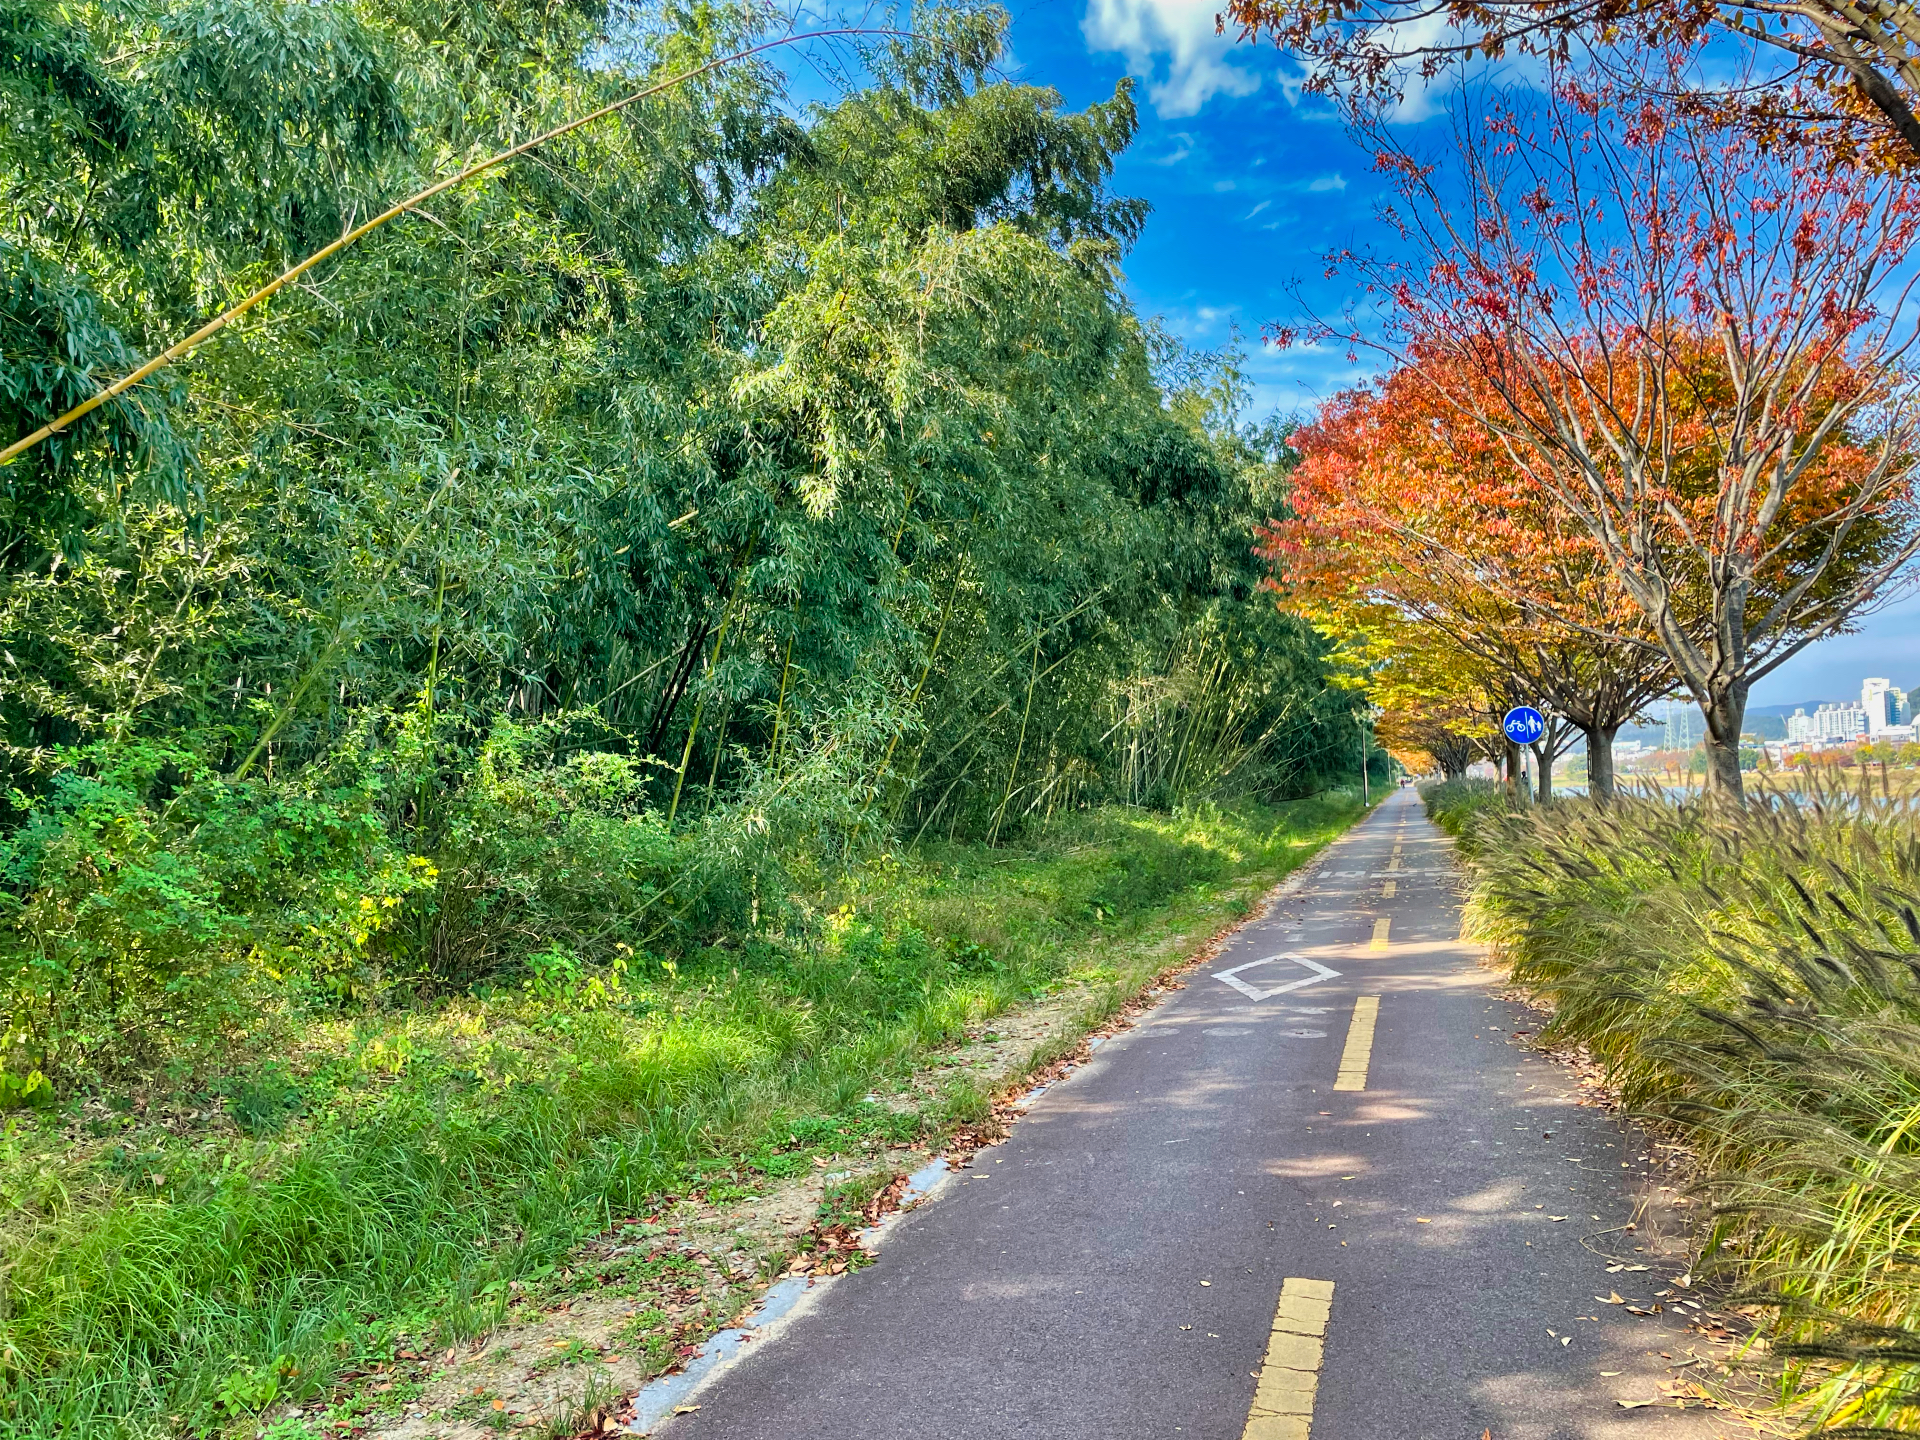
(1319, 973)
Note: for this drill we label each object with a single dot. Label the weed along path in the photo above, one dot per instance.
(1320, 1190)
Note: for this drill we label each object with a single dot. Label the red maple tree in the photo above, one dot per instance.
(1691, 351)
(1404, 504)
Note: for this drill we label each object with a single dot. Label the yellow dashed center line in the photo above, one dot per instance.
(1359, 1051)
(1290, 1373)
(1388, 890)
(1380, 928)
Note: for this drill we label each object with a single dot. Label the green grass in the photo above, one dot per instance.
(187, 1252)
(1751, 978)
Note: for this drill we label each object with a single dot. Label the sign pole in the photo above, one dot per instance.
(1522, 725)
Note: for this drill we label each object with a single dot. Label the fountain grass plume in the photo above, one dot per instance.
(1750, 977)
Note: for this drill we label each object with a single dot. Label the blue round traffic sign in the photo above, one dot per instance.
(1524, 724)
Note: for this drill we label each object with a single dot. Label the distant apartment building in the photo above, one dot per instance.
(1884, 704)
(1833, 721)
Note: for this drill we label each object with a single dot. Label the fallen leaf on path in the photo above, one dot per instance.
(1612, 1372)
(1206, 1282)
(1612, 1297)
(685, 1409)
(1635, 1404)
(1566, 1339)
(1556, 1218)
(1421, 1220)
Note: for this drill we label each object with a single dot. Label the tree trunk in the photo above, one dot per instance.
(1724, 716)
(1451, 752)
(1600, 761)
(1543, 767)
(1511, 753)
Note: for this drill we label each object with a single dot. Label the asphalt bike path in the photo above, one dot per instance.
(1320, 1192)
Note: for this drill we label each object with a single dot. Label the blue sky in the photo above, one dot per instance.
(1251, 182)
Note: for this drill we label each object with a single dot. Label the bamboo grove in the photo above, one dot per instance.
(712, 494)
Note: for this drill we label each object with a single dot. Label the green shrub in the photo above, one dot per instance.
(147, 902)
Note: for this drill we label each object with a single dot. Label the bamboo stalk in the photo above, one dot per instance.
(713, 659)
(780, 709)
(1013, 770)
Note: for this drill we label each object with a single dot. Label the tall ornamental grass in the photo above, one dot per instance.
(1751, 977)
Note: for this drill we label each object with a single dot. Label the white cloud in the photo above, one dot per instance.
(1324, 183)
(1180, 30)
(1256, 210)
(1422, 96)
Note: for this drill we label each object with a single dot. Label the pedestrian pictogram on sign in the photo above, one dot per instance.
(1524, 724)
